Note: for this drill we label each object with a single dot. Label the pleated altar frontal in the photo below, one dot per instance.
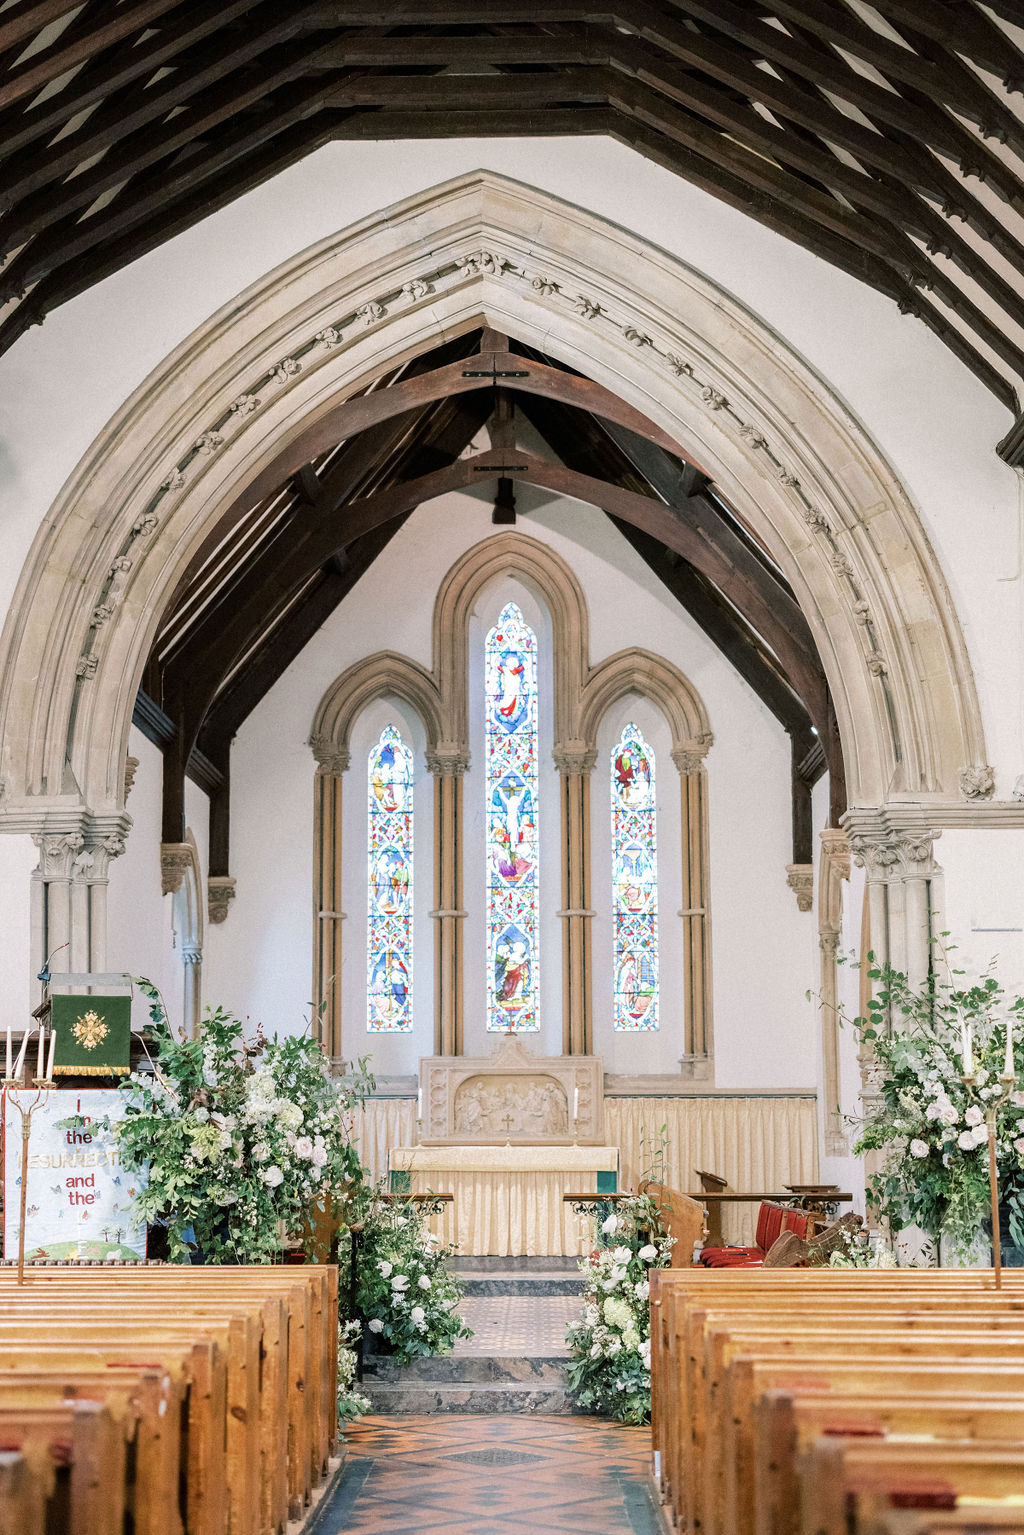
(508, 1200)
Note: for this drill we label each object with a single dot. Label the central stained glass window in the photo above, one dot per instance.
(389, 906)
(634, 883)
(512, 890)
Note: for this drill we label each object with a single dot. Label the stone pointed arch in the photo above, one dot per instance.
(245, 399)
(385, 674)
(636, 670)
(511, 554)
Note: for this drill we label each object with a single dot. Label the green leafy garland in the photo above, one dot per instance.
(610, 1368)
(238, 1137)
(929, 1127)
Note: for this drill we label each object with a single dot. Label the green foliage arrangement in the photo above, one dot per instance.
(241, 1138)
(351, 1401)
(610, 1345)
(404, 1291)
(930, 1128)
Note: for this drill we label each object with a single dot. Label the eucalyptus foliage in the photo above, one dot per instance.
(927, 1123)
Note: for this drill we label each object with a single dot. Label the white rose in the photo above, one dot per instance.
(272, 1176)
(933, 1111)
(965, 1140)
(375, 1324)
(610, 1225)
(948, 1114)
(304, 1147)
(1017, 1099)
(319, 1156)
(622, 1254)
(400, 1282)
(919, 1148)
(386, 1269)
(980, 1134)
(648, 1253)
(418, 1315)
(974, 1116)
(423, 1282)
(1018, 1146)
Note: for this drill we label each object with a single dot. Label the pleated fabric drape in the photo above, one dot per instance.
(760, 1143)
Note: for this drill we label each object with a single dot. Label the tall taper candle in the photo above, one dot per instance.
(967, 1050)
(39, 1062)
(53, 1048)
(419, 1104)
(19, 1063)
(575, 1103)
(1008, 1067)
(7, 1062)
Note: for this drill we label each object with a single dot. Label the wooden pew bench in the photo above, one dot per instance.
(843, 1480)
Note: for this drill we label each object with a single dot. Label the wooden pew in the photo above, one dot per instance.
(841, 1480)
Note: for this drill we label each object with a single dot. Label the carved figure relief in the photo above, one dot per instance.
(511, 1106)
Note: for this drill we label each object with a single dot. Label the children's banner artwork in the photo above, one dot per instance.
(80, 1199)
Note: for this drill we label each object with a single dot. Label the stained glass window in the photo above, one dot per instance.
(512, 894)
(635, 883)
(389, 905)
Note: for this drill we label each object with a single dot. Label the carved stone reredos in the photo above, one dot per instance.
(511, 1096)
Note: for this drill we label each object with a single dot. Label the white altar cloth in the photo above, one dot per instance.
(508, 1199)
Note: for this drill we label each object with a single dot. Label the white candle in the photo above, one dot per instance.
(7, 1063)
(419, 1104)
(575, 1103)
(967, 1050)
(53, 1047)
(1008, 1067)
(19, 1063)
(39, 1061)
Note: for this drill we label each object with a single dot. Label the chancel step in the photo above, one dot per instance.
(491, 1397)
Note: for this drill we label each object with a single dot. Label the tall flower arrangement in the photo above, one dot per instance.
(610, 1345)
(405, 1293)
(241, 1136)
(930, 1126)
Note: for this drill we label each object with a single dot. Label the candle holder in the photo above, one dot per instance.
(998, 1090)
(26, 1110)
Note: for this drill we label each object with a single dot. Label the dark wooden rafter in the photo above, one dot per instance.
(864, 146)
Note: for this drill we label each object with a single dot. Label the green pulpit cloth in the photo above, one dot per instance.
(93, 1035)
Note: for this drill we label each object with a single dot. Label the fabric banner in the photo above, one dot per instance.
(79, 1198)
(93, 1035)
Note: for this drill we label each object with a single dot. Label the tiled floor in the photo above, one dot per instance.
(492, 1476)
(523, 1325)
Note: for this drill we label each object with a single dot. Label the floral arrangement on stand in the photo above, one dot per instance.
(241, 1137)
(404, 1291)
(610, 1345)
(944, 1075)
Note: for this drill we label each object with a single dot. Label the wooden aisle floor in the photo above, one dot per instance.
(492, 1476)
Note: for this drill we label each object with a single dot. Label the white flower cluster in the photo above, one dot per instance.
(945, 1117)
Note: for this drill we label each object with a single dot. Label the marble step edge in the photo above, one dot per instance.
(470, 1369)
(540, 1285)
(480, 1264)
(483, 1399)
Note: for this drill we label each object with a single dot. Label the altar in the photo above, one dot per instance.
(508, 1200)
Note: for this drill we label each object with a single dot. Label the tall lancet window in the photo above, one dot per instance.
(634, 883)
(389, 906)
(512, 893)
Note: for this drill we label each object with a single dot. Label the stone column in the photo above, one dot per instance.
(331, 763)
(69, 890)
(575, 762)
(192, 960)
(448, 761)
(834, 868)
(698, 1045)
(895, 846)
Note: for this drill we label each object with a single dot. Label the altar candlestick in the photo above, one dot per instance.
(53, 1048)
(575, 1103)
(967, 1050)
(19, 1063)
(1008, 1067)
(39, 1061)
(7, 1062)
(419, 1104)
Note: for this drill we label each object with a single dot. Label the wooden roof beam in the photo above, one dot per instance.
(77, 44)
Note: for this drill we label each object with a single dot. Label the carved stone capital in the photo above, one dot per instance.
(800, 879)
(331, 759)
(191, 954)
(689, 756)
(82, 854)
(977, 782)
(835, 847)
(131, 767)
(448, 759)
(575, 757)
(175, 859)
(220, 892)
(891, 842)
(828, 941)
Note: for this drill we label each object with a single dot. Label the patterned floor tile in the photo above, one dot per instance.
(471, 1476)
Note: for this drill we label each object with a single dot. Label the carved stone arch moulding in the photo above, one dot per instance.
(378, 676)
(641, 671)
(299, 343)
